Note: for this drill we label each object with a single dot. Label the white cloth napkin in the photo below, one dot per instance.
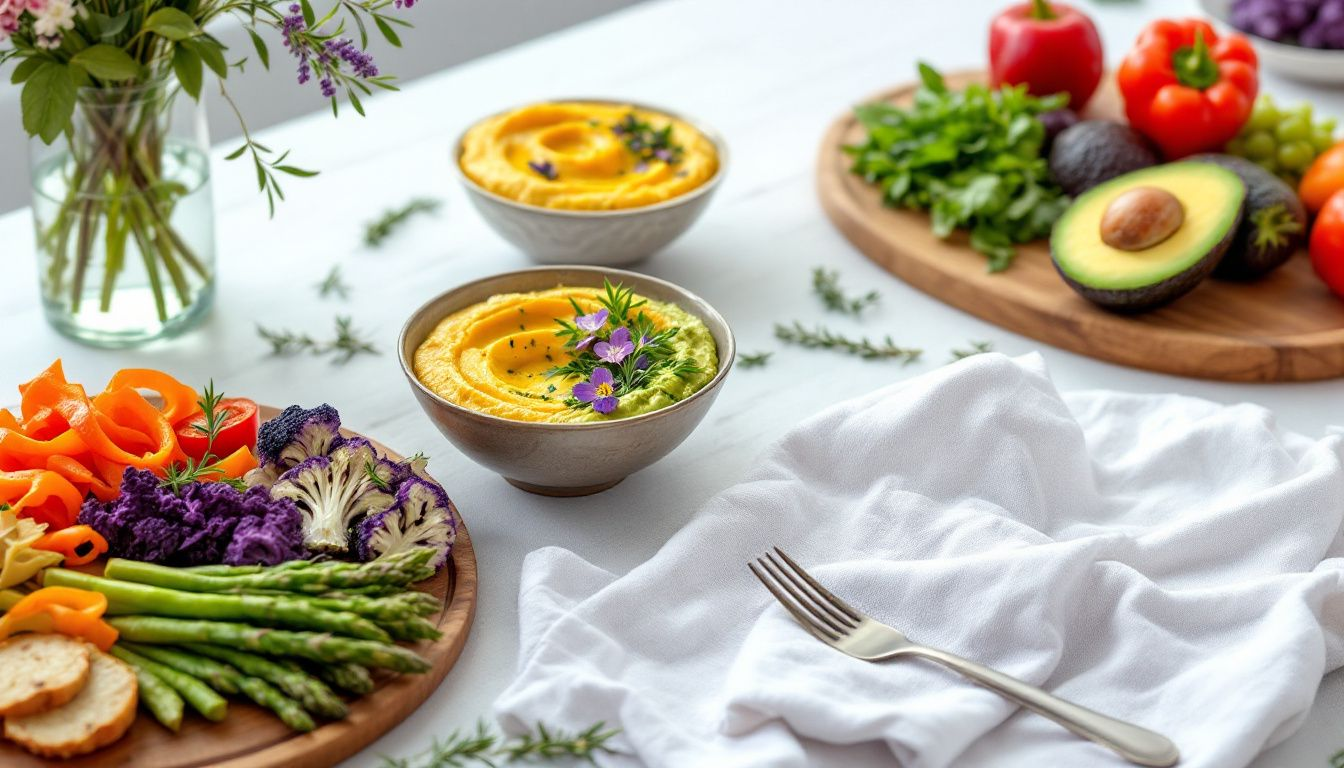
(1162, 559)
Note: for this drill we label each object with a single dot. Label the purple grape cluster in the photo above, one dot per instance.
(1310, 23)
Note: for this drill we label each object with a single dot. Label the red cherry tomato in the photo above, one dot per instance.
(241, 422)
(1327, 243)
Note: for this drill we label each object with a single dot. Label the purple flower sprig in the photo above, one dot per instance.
(543, 168)
(338, 63)
(647, 143)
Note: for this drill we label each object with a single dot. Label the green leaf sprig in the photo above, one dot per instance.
(826, 285)
(975, 348)
(971, 158)
(481, 747)
(333, 284)
(207, 468)
(754, 359)
(824, 338)
(343, 348)
(379, 230)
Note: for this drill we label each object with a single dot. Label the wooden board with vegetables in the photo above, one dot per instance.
(247, 633)
(982, 190)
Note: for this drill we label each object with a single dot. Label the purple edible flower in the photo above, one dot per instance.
(543, 168)
(599, 389)
(618, 348)
(359, 61)
(592, 324)
(641, 167)
(663, 154)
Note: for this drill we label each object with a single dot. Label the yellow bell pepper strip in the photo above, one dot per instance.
(43, 496)
(78, 544)
(179, 400)
(63, 610)
(20, 560)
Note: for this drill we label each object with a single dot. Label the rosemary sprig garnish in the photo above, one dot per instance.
(826, 284)
(823, 338)
(333, 285)
(384, 226)
(481, 747)
(178, 476)
(976, 348)
(754, 360)
(345, 346)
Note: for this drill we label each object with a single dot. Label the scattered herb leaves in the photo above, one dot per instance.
(333, 284)
(754, 359)
(975, 348)
(378, 231)
(646, 142)
(178, 476)
(343, 348)
(481, 747)
(823, 338)
(826, 284)
(971, 158)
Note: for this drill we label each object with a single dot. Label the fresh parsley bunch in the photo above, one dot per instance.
(971, 158)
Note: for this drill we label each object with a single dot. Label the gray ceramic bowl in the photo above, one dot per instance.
(539, 457)
(601, 238)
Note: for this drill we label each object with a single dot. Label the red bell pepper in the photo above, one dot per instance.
(1186, 88)
(1051, 47)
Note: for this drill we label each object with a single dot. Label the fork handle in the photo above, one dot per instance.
(1137, 745)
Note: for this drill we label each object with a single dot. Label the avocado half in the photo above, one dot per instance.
(1273, 226)
(1212, 199)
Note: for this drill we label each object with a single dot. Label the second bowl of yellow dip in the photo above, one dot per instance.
(590, 181)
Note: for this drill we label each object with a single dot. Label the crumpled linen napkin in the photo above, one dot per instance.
(1162, 559)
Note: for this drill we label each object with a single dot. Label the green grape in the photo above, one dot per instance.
(1303, 110)
(1260, 145)
(1269, 165)
(1296, 155)
(1264, 115)
(1322, 140)
(1293, 129)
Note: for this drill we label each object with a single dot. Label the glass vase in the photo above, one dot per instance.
(125, 218)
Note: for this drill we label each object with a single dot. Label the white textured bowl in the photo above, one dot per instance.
(599, 238)
(1313, 65)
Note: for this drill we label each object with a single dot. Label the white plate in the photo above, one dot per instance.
(1309, 64)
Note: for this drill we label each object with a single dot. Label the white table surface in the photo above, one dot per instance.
(770, 75)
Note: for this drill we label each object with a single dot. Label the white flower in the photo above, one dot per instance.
(57, 16)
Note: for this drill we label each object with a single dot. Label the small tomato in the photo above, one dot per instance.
(1323, 178)
(1327, 243)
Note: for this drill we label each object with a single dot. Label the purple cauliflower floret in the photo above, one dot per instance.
(293, 436)
(423, 516)
(204, 524)
(333, 492)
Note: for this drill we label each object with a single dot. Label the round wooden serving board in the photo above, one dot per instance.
(1285, 327)
(252, 737)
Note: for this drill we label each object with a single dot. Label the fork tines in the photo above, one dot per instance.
(820, 612)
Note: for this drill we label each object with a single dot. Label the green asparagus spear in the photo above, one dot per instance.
(158, 697)
(395, 607)
(347, 677)
(273, 642)
(221, 677)
(197, 693)
(393, 571)
(411, 630)
(233, 681)
(124, 597)
(312, 693)
(8, 598)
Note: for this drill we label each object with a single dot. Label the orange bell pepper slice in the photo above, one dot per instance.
(63, 610)
(118, 410)
(82, 477)
(179, 400)
(42, 496)
(236, 464)
(8, 420)
(78, 544)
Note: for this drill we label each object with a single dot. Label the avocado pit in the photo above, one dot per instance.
(1140, 218)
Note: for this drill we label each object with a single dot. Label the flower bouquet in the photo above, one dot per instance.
(121, 188)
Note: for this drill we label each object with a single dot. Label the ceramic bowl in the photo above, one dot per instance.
(1311, 65)
(600, 238)
(543, 458)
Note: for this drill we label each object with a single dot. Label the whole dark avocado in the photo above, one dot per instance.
(1273, 227)
(1088, 153)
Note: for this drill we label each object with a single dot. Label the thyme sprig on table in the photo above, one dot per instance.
(343, 348)
(481, 747)
(826, 284)
(178, 476)
(976, 348)
(379, 230)
(824, 338)
(333, 284)
(754, 359)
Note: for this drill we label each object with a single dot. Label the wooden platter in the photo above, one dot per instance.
(252, 737)
(1285, 327)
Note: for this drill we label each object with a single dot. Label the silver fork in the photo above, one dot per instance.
(839, 625)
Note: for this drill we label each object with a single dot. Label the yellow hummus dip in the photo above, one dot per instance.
(493, 357)
(579, 156)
